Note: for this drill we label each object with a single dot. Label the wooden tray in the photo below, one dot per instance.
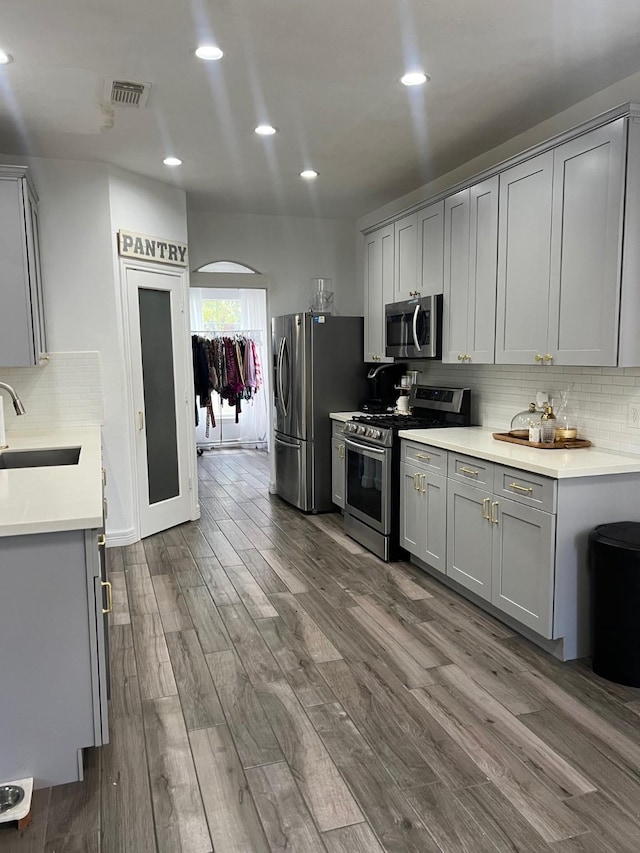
(567, 444)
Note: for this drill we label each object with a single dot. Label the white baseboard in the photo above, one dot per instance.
(117, 538)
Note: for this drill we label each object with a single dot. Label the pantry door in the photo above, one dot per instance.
(162, 413)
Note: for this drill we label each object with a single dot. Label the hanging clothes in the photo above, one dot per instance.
(228, 365)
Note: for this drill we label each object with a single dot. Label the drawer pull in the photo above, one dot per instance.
(423, 456)
(341, 451)
(527, 489)
(109, 606)
(469, 471)
(422, 479)
(485, 509)
(102, 540)
(104, 476)
(416, 482)
(494, 519)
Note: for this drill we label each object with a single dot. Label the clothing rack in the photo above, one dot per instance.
(255, 334)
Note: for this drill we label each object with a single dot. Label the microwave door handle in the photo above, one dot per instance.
(415, 328)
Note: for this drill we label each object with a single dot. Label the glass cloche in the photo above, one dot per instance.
(521, 422)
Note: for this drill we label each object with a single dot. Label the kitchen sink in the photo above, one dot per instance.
(39, 458)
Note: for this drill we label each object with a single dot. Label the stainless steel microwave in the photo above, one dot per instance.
(413, 329)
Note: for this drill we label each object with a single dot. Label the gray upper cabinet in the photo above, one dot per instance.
(524, 260)
(456, 277)
(379, 264)
(471, 244)
(431, 249)
(22, 334)
(588, 183)
(406, 255)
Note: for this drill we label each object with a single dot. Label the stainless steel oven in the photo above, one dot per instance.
(368, 488)
(414, 328)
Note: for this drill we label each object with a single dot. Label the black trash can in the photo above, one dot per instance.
(614, 556)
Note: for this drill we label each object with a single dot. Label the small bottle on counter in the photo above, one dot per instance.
(534, 432)
(548, 425)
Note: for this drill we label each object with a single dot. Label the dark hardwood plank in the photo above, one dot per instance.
(222, 548)
(393, 819)
(195, 541)
(125, 690)
(200, 704)
(328, 798)
(181, 826)
(284, 815)
(249, 644)
(546, 813)
(134, 554)
(399, 755)
(220, 587)
(171, 604)
(613, 826)
(115, 559)
(231, 812)
(74, 809)
(156, 555)
(302, 626)
(500, 821)
(288, 574)
(155, 675)
(120, 614)
(447, 821)
(206, 619)
(252, 596)
(252, 732)
(298, 668)
(89, 843)
(141, 595)
(264, 575)
(357, 838)
(234, 534)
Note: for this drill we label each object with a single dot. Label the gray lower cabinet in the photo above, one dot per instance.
(53, 701)
(469, 537)
(523, 563)
(338, 464)
(423, 507)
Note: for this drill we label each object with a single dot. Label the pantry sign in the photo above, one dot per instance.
(146, 248)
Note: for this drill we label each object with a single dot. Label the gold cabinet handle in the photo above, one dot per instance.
(527, 489)
(109, 606)
(140, 421)
(494, 519)
(423, 456)
(422, 479)
(416, 482)
(469, 471)
(548, 357)
(104, 476)
(485, 509)
(105, 507)
(102, 540)
(539, 358)
(341, 451)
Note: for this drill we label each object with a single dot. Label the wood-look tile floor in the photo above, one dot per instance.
(276, 688)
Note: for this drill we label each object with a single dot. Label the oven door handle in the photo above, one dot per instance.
(415, 328)
(366, 447)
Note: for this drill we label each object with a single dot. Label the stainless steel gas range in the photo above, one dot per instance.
(372, 492)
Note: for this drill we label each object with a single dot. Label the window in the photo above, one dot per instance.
(221, 315)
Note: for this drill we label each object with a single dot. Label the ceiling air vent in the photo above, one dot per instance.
(124, 93)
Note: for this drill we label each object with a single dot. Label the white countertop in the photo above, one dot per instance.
(63, 497)
(559, 464)
(343, 416)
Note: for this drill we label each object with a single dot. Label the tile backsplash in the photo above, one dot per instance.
(65, 391)
(600, 396)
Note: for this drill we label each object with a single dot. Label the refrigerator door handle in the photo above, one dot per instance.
(289, 379)
(283, 406)
(294, 445)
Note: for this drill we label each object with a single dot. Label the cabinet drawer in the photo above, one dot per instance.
(430, 458)
(338, 429)
(526, 488)
(476, 472)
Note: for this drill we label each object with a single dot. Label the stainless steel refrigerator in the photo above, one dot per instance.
(318, 368)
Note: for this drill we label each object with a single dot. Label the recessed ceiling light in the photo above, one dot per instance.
(415, 78)
(309, 174)
(172, 161)
(209, 51)
(265, 130)
(5, 58)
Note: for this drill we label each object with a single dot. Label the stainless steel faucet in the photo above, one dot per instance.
(17, 402)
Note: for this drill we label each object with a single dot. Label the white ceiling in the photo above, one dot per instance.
(325, 73)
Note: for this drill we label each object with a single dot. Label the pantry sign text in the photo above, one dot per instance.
(146, 248)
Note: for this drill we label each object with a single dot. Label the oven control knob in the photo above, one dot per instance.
(370, 432)
(362, 430)
(377, 433)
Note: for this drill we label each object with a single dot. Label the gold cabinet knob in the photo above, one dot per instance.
(539, 358)
(548, 357)
(460, 357)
